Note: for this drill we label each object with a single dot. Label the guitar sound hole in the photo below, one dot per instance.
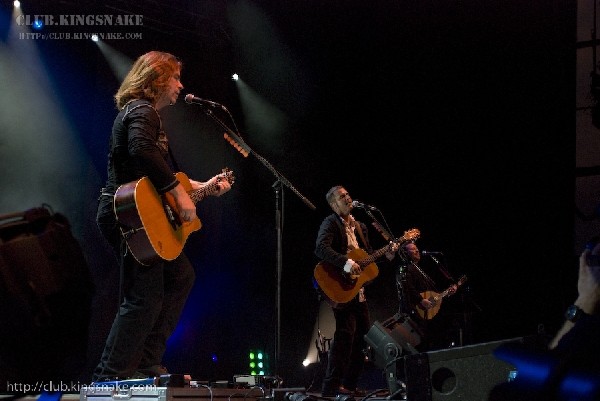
(349, 279)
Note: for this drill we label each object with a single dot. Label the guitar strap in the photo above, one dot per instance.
(173, 159)
(360, 234)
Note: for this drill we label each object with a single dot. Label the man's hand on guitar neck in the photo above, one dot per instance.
(452, 289)
(391, 254)
(220, 184)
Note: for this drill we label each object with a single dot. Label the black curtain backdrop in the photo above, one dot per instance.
(453, 117)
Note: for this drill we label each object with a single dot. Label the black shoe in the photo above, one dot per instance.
(104, 379)
(154, 371)
(344, 391)
(341, 390)
(329, 392)
(135, 377)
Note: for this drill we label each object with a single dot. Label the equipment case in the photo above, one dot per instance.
(148, 391)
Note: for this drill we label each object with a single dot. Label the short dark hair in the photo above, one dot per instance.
(329, 195)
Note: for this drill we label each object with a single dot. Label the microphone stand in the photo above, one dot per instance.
(403, 314)
(442, 268)
(239, 144)
(389, 231)
(466, 314)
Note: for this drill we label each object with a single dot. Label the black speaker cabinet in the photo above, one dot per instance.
(389, 341)
(392, 338)
(45, 299)
(464, 373)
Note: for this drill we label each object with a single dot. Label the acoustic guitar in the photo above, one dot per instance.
(436, 300)
(340, 287)
(150, 222)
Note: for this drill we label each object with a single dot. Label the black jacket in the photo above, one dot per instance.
(332, 243)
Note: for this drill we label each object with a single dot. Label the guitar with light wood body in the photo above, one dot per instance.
(340, 287)
(150, 222)
(436, 300)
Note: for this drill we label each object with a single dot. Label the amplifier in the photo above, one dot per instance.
(255, 380)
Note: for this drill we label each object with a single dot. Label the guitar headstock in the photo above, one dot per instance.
(226, 174)
(410, 235)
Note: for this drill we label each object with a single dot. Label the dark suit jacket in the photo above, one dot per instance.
(332, 243)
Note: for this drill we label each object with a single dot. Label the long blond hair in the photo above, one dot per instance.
(148, 78)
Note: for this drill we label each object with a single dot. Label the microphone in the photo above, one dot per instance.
(190, 99)
(431, 253)
(363, 205)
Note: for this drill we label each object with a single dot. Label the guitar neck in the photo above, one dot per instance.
(372, 257)
(198, 194)
(447, 290)
(409, 235)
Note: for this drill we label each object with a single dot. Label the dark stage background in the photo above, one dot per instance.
(455, 117)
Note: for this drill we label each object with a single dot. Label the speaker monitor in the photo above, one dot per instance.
(462, 373)
(391, 339)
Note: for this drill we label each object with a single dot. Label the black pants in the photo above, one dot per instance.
(346, 355)
(153, 299)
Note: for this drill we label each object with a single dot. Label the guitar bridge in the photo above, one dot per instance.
(172, 217)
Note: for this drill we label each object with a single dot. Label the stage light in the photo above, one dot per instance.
(258, 362)
(17, 4)
(38, 24)
(119, 63)
(306, 362)
(235, 77)
(94, 37)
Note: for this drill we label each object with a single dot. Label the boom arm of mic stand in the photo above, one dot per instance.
(283, 180)
(443, 270)
(244, 146)
(370, 214)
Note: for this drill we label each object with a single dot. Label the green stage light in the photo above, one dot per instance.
(258, 362)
